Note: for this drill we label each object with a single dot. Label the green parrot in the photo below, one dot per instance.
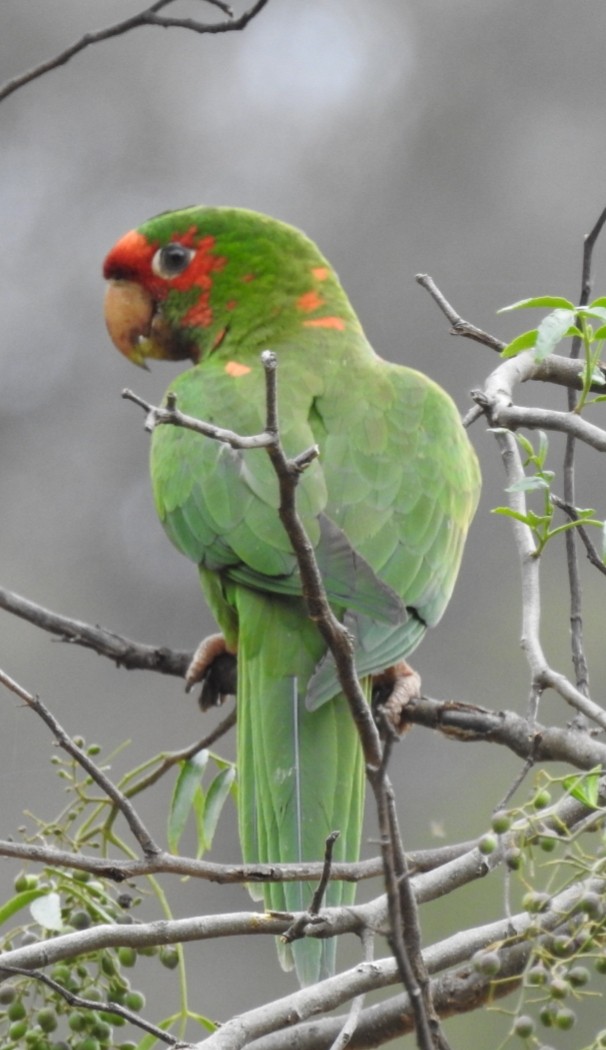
(386, 505)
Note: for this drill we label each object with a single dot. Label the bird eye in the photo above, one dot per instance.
(171, 260)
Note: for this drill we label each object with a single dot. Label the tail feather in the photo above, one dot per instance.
(301, 772)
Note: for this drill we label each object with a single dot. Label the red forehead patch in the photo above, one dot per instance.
(131, 256)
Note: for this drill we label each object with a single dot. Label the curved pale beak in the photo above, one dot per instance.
(129, 311)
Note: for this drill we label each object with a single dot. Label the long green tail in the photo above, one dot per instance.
(300, 773)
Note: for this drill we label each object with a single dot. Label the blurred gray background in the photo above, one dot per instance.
(463, 138)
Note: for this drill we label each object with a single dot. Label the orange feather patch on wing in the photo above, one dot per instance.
(234, 368)
(325, 322)
(309, 301)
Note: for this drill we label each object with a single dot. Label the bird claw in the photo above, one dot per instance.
(392, 690)
(215, 666)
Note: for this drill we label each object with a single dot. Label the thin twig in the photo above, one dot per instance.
(458, 325)
(591, 549)
(174, 757)
(579, 659)
(334, 633)
(357, 1004)
(309, 917)
(320, 890)
(82, 1003)
(171, 416)
(136, 825)
(149, 17)
(403, 936)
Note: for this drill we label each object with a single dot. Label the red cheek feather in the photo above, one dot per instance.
(131, 259)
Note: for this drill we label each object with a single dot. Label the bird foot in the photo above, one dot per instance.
(392, 690)
(215, 666)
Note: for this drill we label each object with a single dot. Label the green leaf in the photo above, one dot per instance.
(593, 311)
(220, 762)
(205, 1022)
(19, 901)
(585, 788)
(534, 520)
(150, 1040)
(187, 785)
(597, 376)
(46, 911)
(198, 807)
(527, 445)
(528, 484)
(522, 342)
(604, 543)
(508, 512)
(554, 302)
(601, 301)
(215, 800)
(543, 448)
(551, 330)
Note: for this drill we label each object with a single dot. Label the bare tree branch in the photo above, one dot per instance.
(495, 400)
(148, 17)
(455, 719)
(125, 652)
(283, 1014)
(513, 417)
(468, 723)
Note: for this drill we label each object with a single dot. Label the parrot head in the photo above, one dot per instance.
(183, 281)
(158, 295)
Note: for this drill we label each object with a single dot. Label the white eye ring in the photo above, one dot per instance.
(171, 260)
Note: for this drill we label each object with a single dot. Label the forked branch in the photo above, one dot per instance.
(149, 17)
